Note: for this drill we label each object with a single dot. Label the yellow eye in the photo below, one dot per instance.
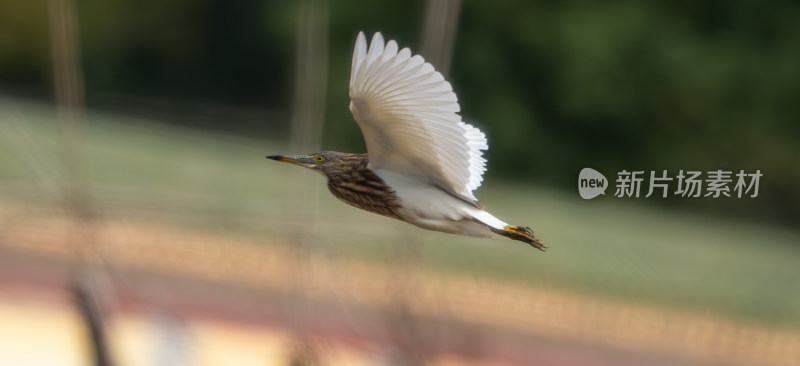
(319, 159)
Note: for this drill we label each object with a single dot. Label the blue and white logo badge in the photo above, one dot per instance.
(591, 183)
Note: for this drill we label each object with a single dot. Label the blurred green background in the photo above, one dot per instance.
(556, 85)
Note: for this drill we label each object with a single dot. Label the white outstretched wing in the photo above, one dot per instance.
(408, 115)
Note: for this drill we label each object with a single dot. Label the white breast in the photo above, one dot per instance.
(430, 207)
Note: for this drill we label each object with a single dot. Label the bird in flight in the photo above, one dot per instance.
(422, 162)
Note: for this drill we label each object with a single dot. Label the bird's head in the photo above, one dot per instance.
(325, 162)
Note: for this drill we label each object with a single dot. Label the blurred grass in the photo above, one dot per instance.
(615, 249)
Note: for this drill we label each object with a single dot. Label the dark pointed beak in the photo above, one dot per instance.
(275, 157)
(302, 160)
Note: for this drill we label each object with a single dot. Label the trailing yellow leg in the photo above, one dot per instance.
(521, 233)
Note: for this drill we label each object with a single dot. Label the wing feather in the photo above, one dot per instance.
(407, 112)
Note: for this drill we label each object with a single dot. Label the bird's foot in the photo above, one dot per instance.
(523, 233)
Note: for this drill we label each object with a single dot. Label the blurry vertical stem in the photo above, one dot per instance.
(439, 33)
(68, 83)
(311, 73)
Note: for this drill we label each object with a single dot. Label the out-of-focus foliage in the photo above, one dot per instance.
(557, 85)
(24, 53)
(639, 86)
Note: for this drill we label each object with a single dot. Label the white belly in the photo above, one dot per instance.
(429, 207)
